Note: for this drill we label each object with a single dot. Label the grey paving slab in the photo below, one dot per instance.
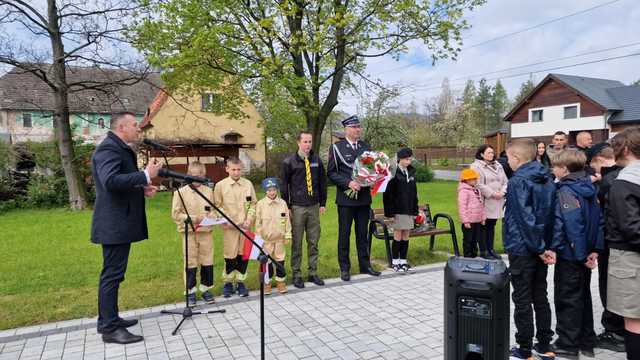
(391, 317)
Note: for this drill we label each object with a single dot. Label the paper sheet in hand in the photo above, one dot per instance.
(209, 221)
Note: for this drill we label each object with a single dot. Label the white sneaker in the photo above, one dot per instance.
(407, 268)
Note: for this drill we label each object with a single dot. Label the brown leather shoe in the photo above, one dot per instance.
(282, 287)
(267, 289)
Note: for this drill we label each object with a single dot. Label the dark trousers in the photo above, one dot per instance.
(489, 233)
(610, 321)
(360, 216)
(574, 311)
(277, 271)
(471, 239)
(114, 265)
(206, 276)
(529, 282)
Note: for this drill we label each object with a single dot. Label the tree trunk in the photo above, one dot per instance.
(316, 125)
(77, 192)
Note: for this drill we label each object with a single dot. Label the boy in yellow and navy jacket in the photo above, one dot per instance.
(274, 226)
(236, 197)
(201, 241)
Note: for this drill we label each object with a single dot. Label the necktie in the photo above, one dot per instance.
(307, 169)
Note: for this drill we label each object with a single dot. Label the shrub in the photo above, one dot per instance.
(12, 204)
(443, 162)
(46, 191)
(47, 186)
(423, 172)
(256, 175)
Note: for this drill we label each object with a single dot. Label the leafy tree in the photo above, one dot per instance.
(482, 106)
(525, 89)
(280, 119)
(381, 125)
(637, 82)
(499, 106)
(443, 105)
(459, 127)
(311, 48)
(67, 33)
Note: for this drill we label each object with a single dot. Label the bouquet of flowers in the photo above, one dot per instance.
(372, 169)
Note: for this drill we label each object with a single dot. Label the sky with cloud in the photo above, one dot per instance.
(563, 29)
(613, 24)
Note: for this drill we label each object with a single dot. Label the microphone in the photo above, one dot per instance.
(156, 145)
(165, 173)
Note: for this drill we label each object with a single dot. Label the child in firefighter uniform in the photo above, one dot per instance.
(274, 226)
(201, 241)
(236, 197)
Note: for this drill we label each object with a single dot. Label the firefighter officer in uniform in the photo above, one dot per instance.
(342, 156)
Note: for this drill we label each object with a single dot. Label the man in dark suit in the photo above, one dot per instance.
(342, 156)
(118, 218)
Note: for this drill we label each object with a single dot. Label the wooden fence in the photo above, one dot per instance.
(455, 155)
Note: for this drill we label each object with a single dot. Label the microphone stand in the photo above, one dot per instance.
(264, 257)
(186, 312)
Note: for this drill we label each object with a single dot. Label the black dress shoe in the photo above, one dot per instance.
(122, 323)
(297, 282)
(345, 276)
(588, 352)
(370, 271)
(316, 280)
(564, 352)
(121, 336)
(126, 323)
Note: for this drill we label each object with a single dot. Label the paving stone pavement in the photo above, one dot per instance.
(391, 317)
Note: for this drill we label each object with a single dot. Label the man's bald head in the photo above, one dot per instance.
(584, 139)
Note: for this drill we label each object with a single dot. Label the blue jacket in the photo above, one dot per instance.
(578, 229)
(527, 226)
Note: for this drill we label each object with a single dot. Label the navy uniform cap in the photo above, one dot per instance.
(269, 183)
(404, 153)
(351, 121)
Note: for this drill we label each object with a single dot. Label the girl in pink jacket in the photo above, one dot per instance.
(472, 214)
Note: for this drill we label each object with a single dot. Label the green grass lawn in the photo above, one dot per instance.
(50, 269)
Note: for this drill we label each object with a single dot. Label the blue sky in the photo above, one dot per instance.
(615, 24)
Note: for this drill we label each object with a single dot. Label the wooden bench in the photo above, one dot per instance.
(380, 228)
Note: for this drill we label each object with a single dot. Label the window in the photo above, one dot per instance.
(536, 116)
(26, 120)
(571, 112)
(101, 123)
(211, 102)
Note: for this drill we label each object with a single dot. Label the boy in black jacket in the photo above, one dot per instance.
(606, 168)
(527, 232)
(577, 240)
(401, 203)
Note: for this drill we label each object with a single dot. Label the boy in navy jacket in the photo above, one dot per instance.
(527, 234)
(578, 237)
